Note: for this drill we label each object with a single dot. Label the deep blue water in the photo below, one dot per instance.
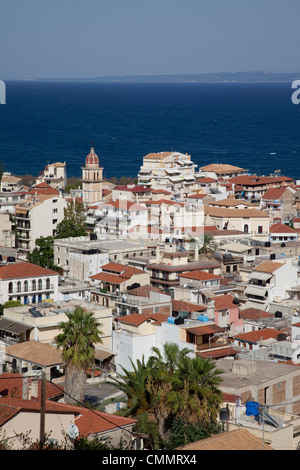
(253, 125)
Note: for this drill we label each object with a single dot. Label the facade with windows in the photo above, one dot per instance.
(37, 217)
(28, 283)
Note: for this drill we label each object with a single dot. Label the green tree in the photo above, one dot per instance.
(73, 222)
(171, 385)
(43, 253)
(72, 183)
(78, 338)
(198, 391)
(183, 432)
(209, 245)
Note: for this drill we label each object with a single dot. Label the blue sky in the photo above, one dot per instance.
(93, 38)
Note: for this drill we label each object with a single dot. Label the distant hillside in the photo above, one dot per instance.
(251, 76)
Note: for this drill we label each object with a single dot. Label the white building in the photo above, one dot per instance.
(118, 217)
(173, 171)
(54, 174)
(27, 283)
(270, 281)
(37, 217)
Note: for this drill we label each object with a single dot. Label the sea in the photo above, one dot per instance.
(252, 125)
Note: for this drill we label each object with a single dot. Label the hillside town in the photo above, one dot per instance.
(207, 258)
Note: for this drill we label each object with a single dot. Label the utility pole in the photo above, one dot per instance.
(43, 403)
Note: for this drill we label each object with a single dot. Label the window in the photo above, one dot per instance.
(40, 284)
(34, 284)
(25, 286)
(260, 229)
(47, 283)
(19, 286)
(10, 287)
(55, 210)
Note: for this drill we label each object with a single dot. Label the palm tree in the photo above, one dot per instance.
(133, 385)
(197, 389)
(208, 245)
(77, 340)
(171, 384)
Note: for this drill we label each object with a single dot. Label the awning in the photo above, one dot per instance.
(205, 330)
(260, 276)
(208, 293)
(12, 327)
(102, 355)
(256, 291)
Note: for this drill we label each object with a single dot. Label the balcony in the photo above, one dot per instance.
(23, 291)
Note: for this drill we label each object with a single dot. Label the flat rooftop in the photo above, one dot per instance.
(107, 244)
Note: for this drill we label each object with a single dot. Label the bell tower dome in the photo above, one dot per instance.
(92, 159)
(92, 179)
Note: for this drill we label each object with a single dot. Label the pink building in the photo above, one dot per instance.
(227, 313)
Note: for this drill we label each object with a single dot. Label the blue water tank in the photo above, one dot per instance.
(203, 318)
(171, 320)
(252, 408)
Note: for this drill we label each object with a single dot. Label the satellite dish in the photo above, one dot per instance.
(73, 431)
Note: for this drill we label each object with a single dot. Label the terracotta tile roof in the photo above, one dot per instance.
(258, 335)
(197, 196)
(38, 353)
(110, 278)
(160, 191)
(254, 314)
(223, 302)
(281, 228)
(268, 267)
(229, 397)
(115, 267)
(35, 405)
(274, 193)
(235, 213)
(206, 179)
(221, 168)
(159, 156)
(239, 439)
(11, 385)
(24, 270)
(144, 291)
(219, 353)
(252, 180)
(120, 273)
(132, 189)
(7, 412)
(205, 329)
(43, 188)
(200, 276)
(178, 305)
(98, 422)
(137, 319)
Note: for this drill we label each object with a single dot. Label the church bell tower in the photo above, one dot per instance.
(92, 179)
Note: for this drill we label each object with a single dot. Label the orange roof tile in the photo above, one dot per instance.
(200, 276)
(281, 228)
(223, 302)
(24, 270)
(239, 439)
(178, 305)
(257, 335)
(274, 193)
(268, 267)
(35, 352)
